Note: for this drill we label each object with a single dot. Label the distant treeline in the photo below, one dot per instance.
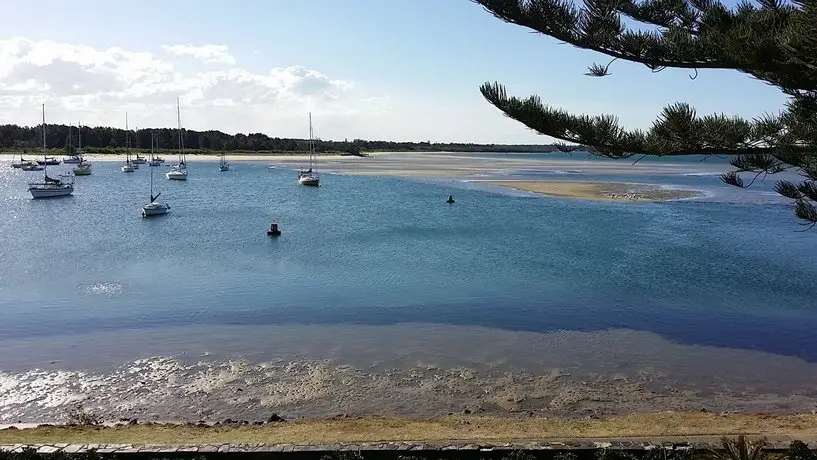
(104, 139)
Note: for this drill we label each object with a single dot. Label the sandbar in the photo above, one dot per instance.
(617, 191)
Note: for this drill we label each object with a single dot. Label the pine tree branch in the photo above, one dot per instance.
(697, 34)
(677, 132)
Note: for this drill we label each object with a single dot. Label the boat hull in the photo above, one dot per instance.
(148, 211)
(175, 175)
(309, 181)
(223, 168)
(72, 161)
(50, 192)
(128, 169)
(82, 171)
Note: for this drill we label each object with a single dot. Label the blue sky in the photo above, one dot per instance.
(426, 57)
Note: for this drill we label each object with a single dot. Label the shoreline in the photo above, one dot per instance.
(683, 425)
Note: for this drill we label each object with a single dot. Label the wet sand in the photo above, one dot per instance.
(599, 190)
(384, 371)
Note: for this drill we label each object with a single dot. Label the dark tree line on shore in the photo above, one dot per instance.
(100, 139)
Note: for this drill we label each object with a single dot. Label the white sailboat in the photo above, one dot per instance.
(178, 171)
(128, 166)
(50, 187)
(153, 208)
(84, 167)
(223, 165)
(310, 177)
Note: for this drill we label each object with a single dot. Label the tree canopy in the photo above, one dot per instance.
(771, 40)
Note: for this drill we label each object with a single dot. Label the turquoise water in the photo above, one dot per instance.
(380, 250)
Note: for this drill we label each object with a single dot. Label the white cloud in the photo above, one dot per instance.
(208, 54)
(97, 86)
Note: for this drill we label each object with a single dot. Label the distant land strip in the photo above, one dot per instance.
(107, 140)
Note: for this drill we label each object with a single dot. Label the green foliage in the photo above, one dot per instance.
(740, 449)
(774, 41)
(798, 450)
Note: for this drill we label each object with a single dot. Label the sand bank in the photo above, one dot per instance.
(447, 165)
(599, 190)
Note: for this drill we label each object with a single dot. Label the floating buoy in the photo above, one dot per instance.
(273, 229)
(450, 199)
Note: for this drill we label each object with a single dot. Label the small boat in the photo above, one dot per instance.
(32, 167)
(128, 167)
(50, 187)
(179, 171)
(311, 177)
(139, 160)
(83, 169)
(223, 165)
(273, 229)
(450, 199)
(22, 163)
(154, 160)
(153, 208)
(48, 161)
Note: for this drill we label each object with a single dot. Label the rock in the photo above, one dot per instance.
(466, 411)
(132, 422)
(274, 418)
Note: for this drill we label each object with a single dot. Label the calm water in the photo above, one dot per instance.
(727, 271)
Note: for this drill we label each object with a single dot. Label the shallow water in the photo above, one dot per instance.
(713, 296)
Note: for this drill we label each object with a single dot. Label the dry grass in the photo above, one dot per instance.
(654, 426)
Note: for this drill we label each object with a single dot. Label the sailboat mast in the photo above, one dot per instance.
(45, 160)
(127, 139)
(79, 136)
(43, 129)
(179, 125)
(311, 142)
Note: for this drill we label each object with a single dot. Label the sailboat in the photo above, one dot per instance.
(74, 157)
(153, 208)
(22, 163)
(50, 187)
(128, 166)
(84, 167)
(223, 165)
(310, 177)
(139, 160)
(179, 171)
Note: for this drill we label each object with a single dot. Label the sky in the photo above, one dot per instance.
(397, 70)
